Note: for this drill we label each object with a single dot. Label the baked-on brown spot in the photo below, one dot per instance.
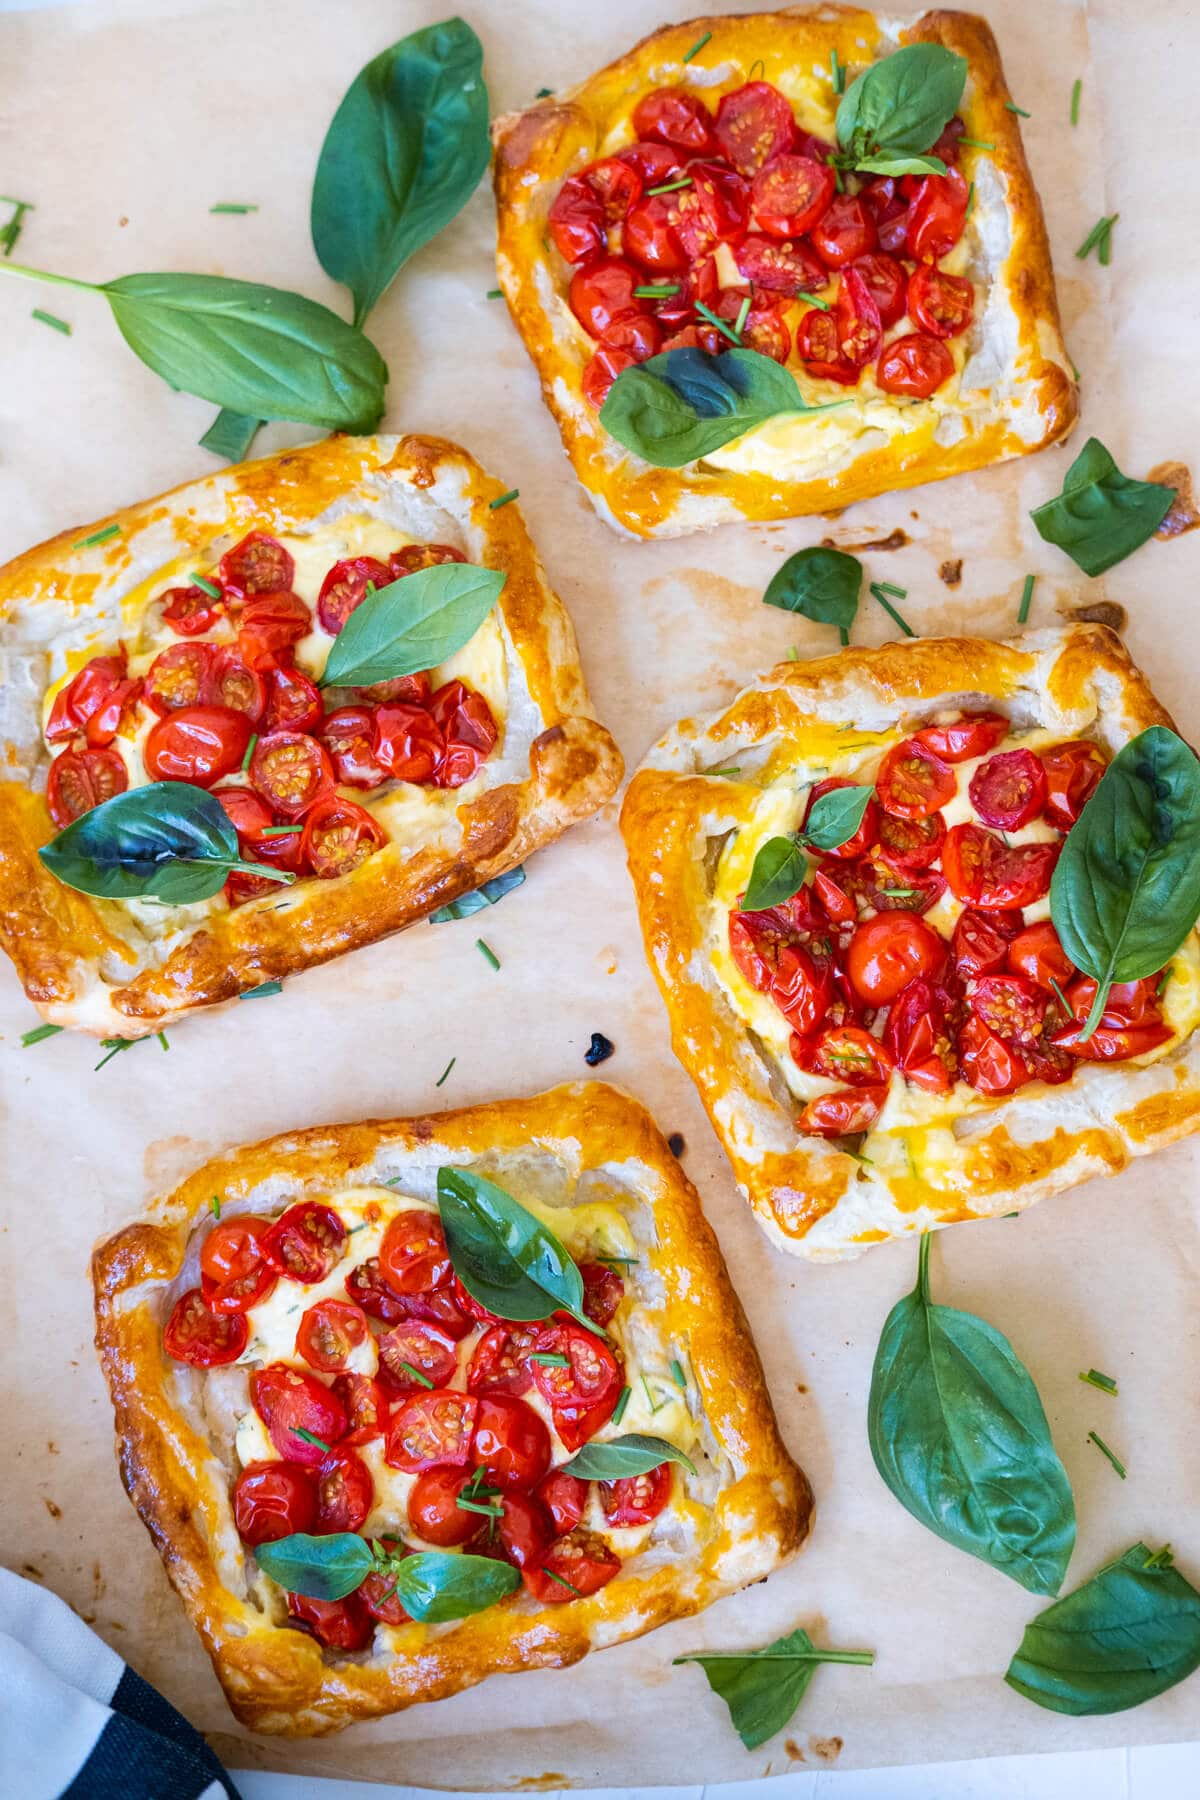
(895, 540)
(793, 1749)
(951, 572)
(827, 1749)
(1100, 612)
(1183, 515)
(54, 1510)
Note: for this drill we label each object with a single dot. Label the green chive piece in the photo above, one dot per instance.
(262, 991)
(249, 752)
(445, 1071)
(215, 1206)
(650, 1397)
(51, 319)
(477, 1506)
(677, 1372)
(13, 229)
(488, 954)
(1026, 599)
(878, 594)
(1076, 94)
(837, 73)
(206, 587)
(561, 1579)
(970, 200)
(231, 206)
(1062, 998)
(310, 1437)
(1159, 990)
(813, 300)
(1105, 1383)
(114, 1047)
(697, 47)
(793, 654)
(1099, 239)
(1162, 1559)
(661, 292)
(732, 770)
(162, 1038)
(1019, 110)
(977, 143)
(97, 537)
(495, 293)
(670, 187)
(715, 319)
(416, 1375)
(625, 1262)
(618, 1411)
(1075, 371)
(1104, 247)
(743, 314)
(837, 176)
(278, 830)
(504, 499)
(38, 1035)
(550, 1359)
(889, 587)
(1095, 1438)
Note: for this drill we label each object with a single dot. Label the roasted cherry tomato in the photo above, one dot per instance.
(415, 1354)
(190, 610)
(889, 951)
(937, 215)
(234, 1272)
(474, 1309)
(431, 1429)
(636, 1499)
(257, 565)
(915, 365)
(602, 292)
(205, 1339)
(271, 1500)
(947, 145)
(714, 210)
(407, 561)
(781, 266)
(339, 836)
(989, 1064)
(271, 624)
(289, 1402)
(638, 336)
(616, 181)
(673, 116)
(329, 1332)
(885, 281)
(338, 1624)
(966, 738)
(984, 871)
(1073, 773)
(306, 1242)
(845, 232)
(365, 1404)
(817, 346)
(907, 844)
(408, 743)
(564, 1497)
(763, 328)
(603, 1291)
(1009, 790)
(95, 700)
(1112, 1043)
(367, 1288)
(179, 676)
(856, 316)
(291, 771)
(649, 235)
(377, 1591)
(349, 738)
(525, 1530)
(939, 303)
(842, 1114)
(465, 721)
(790, 194)
(434, 1513)
(918, 1037)
(282, 852)
(200, 744)
(655, 163)
(294, 702)
(1126, 1003)
(889, 209)
(1012, 1007)
(591, 1376)
(874, 882)
(798, 982)
(500, 1361)
(754, 123)
(437, 1306)
(600, 371)
(231, 683)
(698, 337)
(845, 1053)
(573, 1567)
(833, 897)
(413, 1257)
(577, 221)
(912, 781)
(345, 1491)
(345, 587)
(81, 779)
(980, 942)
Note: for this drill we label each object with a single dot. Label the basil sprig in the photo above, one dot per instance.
(780, 867)
(167, 841)
(898, 108)
(1130, 1632)
(403, 155)
(958, 1433)
(834, 817)
(431, 1586)
(680, 405)
(1126, 889)
(763, 1688)
(1101, 516)
(634, 1454)
(414, 623)
(820, 584)
(505, 1257)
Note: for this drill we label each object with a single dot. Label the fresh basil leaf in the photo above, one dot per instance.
(480, 898)
(414, 623)
(324, 1568)
(820, 584)
(1101, 516)
(780, 870)
(434, 1587)
(1130, 1632)
(169, 840)
(404, 153)
(682, 404)
(958, 1433)
(252, 349)
(231, 434)
(834, 817)
(763, 1688)
(1126, 888)
(505, 1257)
(903, 102)
(883, 164)
(633, 1454)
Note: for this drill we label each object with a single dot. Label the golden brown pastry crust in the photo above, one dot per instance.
(537, 148)
(80, 964)
(812, 1197)
(278, 1679)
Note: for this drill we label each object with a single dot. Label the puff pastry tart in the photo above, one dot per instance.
(320, 1366)
(684, 197)
(172, 657)
(900, 1043)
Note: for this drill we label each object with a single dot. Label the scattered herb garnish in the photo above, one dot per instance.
(618, 1411)
(51, 319)
(563, 1582)
(211, 588)
(263, 991)
(1099, 239)
(433, 1586)
(763, 1688)
(837, 73)
(495, 294)
(654, 1405)
(414, 623)
(656, 291)
(697, 47)
(1026, 600)
(479, 898)
(1019, 110)
(814, 300)
(722, 325)
(677, 1372)
(970, 200)
(502, 500)
(445, 1071)
(485, 1507)
(1095, 1438)
(97, 537)
(488, 954)
(1101, 516)
(893, 114)
(274, 831)
(612, 1459)
(310, 1437)
(879, 591)
(215, 1206)
(250, 749)
(739, 324)
(1105, 1383)
(1162, 986)
(38, 1035)
(550, 1359)
(232, 206)
(976, 143)
(1068, 1009)
(543, 93)
(1076, 94)
(11, 231)
(115, 1045)
(422, 1380)
(671, 187)
(731, 770)
(820, 584)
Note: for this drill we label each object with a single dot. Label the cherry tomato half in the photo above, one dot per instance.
(271, 1500)
(339, 836)
(989, 1064)
(603, 1291)
(842, 1114)
(845, 232)
(602, 292)
(190, 611)
(1009, 790)
(908, 844)
(271, 624)
(95, 700)
(205, 1339)
(574, 1566)
(291, 771)
(415, 1354)
(234, 1272)
(600, 371)
(856, 316)
(198, 744)
(649, 235)
(983, 871)
(289, 1402)
(915, 365)
(345, 1491)
(465, 721)
(912, 781)
(231, 683)
(1073, 773)
(636, 1499)
(817, 346)
(500, 1361)
(1012, 1007)
(413, 1257)
(345, 587)
(673, 116)
(564, 1497)
(790, 194)
(81, 779)
(591, 1375)
(348, 736)
(981, 940)
(966, 738)
(754, 123)
(294, 702)
(306, 1242)
(510, 1440)
(328, 1332)
(408, 743)
(713, 210)
(845, 1053)
(918, 1037)
(179, 676)
(779, 265)
(940, 304)
(1038, 954)
(407, 561)
(885, 281)
(366, 1407)
(433, 1510)
(432, 1429)
(937, 215)
(525, 1530)
(338, 1624)
(257, 565)
(889, 951)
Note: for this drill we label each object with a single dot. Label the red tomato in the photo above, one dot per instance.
(338, 1624)
(1127, 1002)
(406, 561)
(439, 1307)
(834, 898)
(1012, 1007)
(885, 281)
(638, 336)
(846, 232)
(907, 844)
(780, 266)
(234, 1272)
(1112, 1043)
(966, 738)
(81, 779)
(414, 1349)
(271, 624)
(1009, 790)
(636, 1499)
(856, 317)
(205, 1339)
(271, 1500)
(591, 1376)
(473, 1308)
(200, 744)
(230, 683)
(939, 303)
(770, 949)
(306, 1242)
(345, 1491)
(754, 123)
(179, 676)
(1073, 773)
(600, 371)
(525, 1530)
(914, 365)
(377, 1591)
(790, 194)
(510, 1440)
(889, 209)
(947, 145)
(294, 703)
(257, 565)
(937, 215)
(616, 181)
(844, 1053)
(96, 699)
(291, 771)
(1037, 953)
(698, 337)
(564, 1497)
(912, 781)
(602, 292)
(407, 743)
(339, 836)
(367, 1288)
(365, 1405)
(500, 1361)
(429, 1429)
(413, 1257)
(577, 221)
(984, 871)
(873, 882)
(714, 210)
(650, 237)
(655, 163)
(843, 1114)
(603, 1291)
(348, 736)
(190, 610)
(345, 587)
(434, 1513)
(328, 1332)
(918, 1037)
(989, 1064)
(673, 116)
(465, 721)
(573, 1567)
(289, 1402)
(280, 852)
(817, 345)
(980, 942)
(764, 330)
(889, 951)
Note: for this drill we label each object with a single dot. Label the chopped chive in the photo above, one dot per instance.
(1076, 94)
(977, 143)
(814, 300)
(249, 751)
(618, 1411)
(114, 1047)
(478, 1506)
(670, 187)
(1162, 1559)
(546, 245)
(416, 1375)
(489, 955)
(838, 183)
(628, 1262)
(1160, 989)
(503, 499)
(1104, 248)
(278, 830)
(97, 537)
(561, 1579)
(894, 893)
(837, 73)
(40, 1032)
(495, 293)
(206, 587)
(743, 314)
(350, 1231)
(698, 46)
(731, 770)
(445, 1071)
(761, 66)
(262, 991)
(715, 319)
(1064, 1002)
(231, 206)
(660, 292)
(1099, 239)
(1115, 1460)
(1105, 1383)
(310, 1437)
(162, 1038)
(878, 594)
(1026, 599)
(550, 1359)
(793, 654)
(1019, 110)
(215, 1206)
(889, 587)
(51, 319)
(677, 1372)
(970, 200)
(650, 1397)
(1075, 371)
(13, 229)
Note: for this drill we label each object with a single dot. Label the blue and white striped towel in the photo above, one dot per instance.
(76, 1723)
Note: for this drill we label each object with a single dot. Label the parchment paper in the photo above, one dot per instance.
(124, 124)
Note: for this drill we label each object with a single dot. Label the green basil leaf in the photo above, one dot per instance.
(253, 349)
(231, 434)
(1126, 889)
(780, 870)
(681, 404)
(763, 1688)
(835, 817)
(958, 1433)
(903, 102)
(1128, 1633)
(404, 153)
(434, 1586)
(1101, 516)
(324, 1568)
(504, 1257)
(414, 623)
(480, 898)
(169, 840)
(633, 1454)
(820, 584)
(883, 164)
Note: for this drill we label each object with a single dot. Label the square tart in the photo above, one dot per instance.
(594, 1164)
(929, 1159)
(128, 968)
(1012, 390)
